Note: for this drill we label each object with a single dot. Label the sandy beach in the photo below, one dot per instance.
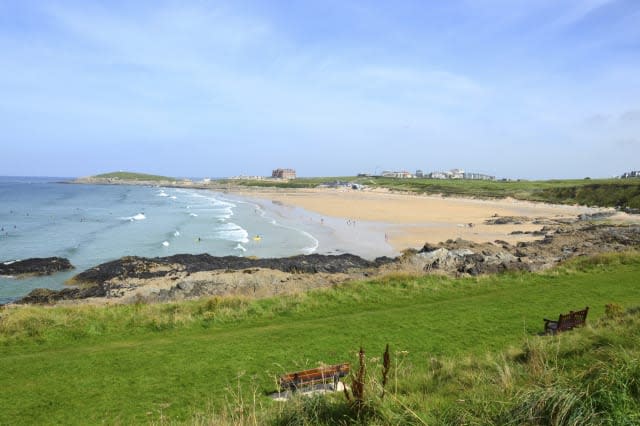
(399, 221)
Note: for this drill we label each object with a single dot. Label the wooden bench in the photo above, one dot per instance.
(566, 321)
(305, 378)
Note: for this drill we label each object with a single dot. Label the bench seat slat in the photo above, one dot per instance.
(566, 321)
(313, 376)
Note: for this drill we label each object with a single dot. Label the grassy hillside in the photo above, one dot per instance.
(132, 176)
(591, 192)
(213, 360)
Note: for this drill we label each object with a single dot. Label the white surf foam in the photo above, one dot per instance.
(139, 216)
(240, 247)
(232, 232)
(165, 243)
(176, 234)
(314, 243)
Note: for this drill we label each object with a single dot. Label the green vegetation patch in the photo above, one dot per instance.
(213, 360)
(590, 192)
(132, 176)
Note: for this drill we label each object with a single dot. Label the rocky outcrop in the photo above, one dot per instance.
(48, 296)
(467, 261)
(35, 266)
(145, 268)
(187, 276)
(506, 220)
(559, 243)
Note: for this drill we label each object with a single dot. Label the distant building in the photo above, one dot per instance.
(457, 174)
(283, 174)
(478, 176)
(440, 175)
(419, 173)
(244, 177)
(400, 175)
(631, 174)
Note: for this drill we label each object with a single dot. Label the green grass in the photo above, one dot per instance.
(132, 176)
(591, 192)
(184, 361)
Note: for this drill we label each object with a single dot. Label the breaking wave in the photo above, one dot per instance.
(231, 232)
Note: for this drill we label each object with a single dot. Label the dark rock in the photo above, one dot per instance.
(48, 296)
(35, 266)
(427, 248)
(595, 216)
(519, 253)
(506, 220)
(144, 268)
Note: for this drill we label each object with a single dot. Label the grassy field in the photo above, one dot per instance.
(590, 192)
(212, 361)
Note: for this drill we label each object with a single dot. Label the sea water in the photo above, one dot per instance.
(93, 224)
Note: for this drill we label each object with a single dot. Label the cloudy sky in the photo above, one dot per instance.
(514, 88)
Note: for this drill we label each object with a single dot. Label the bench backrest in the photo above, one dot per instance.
(572, 319)
(314, 375)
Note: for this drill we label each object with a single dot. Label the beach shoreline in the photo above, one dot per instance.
(375, 222)
(404, 221)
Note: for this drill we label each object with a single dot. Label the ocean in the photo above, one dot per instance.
(93, 224)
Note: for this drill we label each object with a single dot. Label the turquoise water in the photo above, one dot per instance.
(92, 224)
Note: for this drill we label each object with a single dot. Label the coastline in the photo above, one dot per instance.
(403, 221)
(388, 222)
(334, 235)
(353, 234)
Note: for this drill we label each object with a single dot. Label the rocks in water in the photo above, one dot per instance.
(35, 266)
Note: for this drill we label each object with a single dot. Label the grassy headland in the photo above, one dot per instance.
(463, 350)
(133, 176)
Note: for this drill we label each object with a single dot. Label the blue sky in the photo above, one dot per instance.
(514, 88)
